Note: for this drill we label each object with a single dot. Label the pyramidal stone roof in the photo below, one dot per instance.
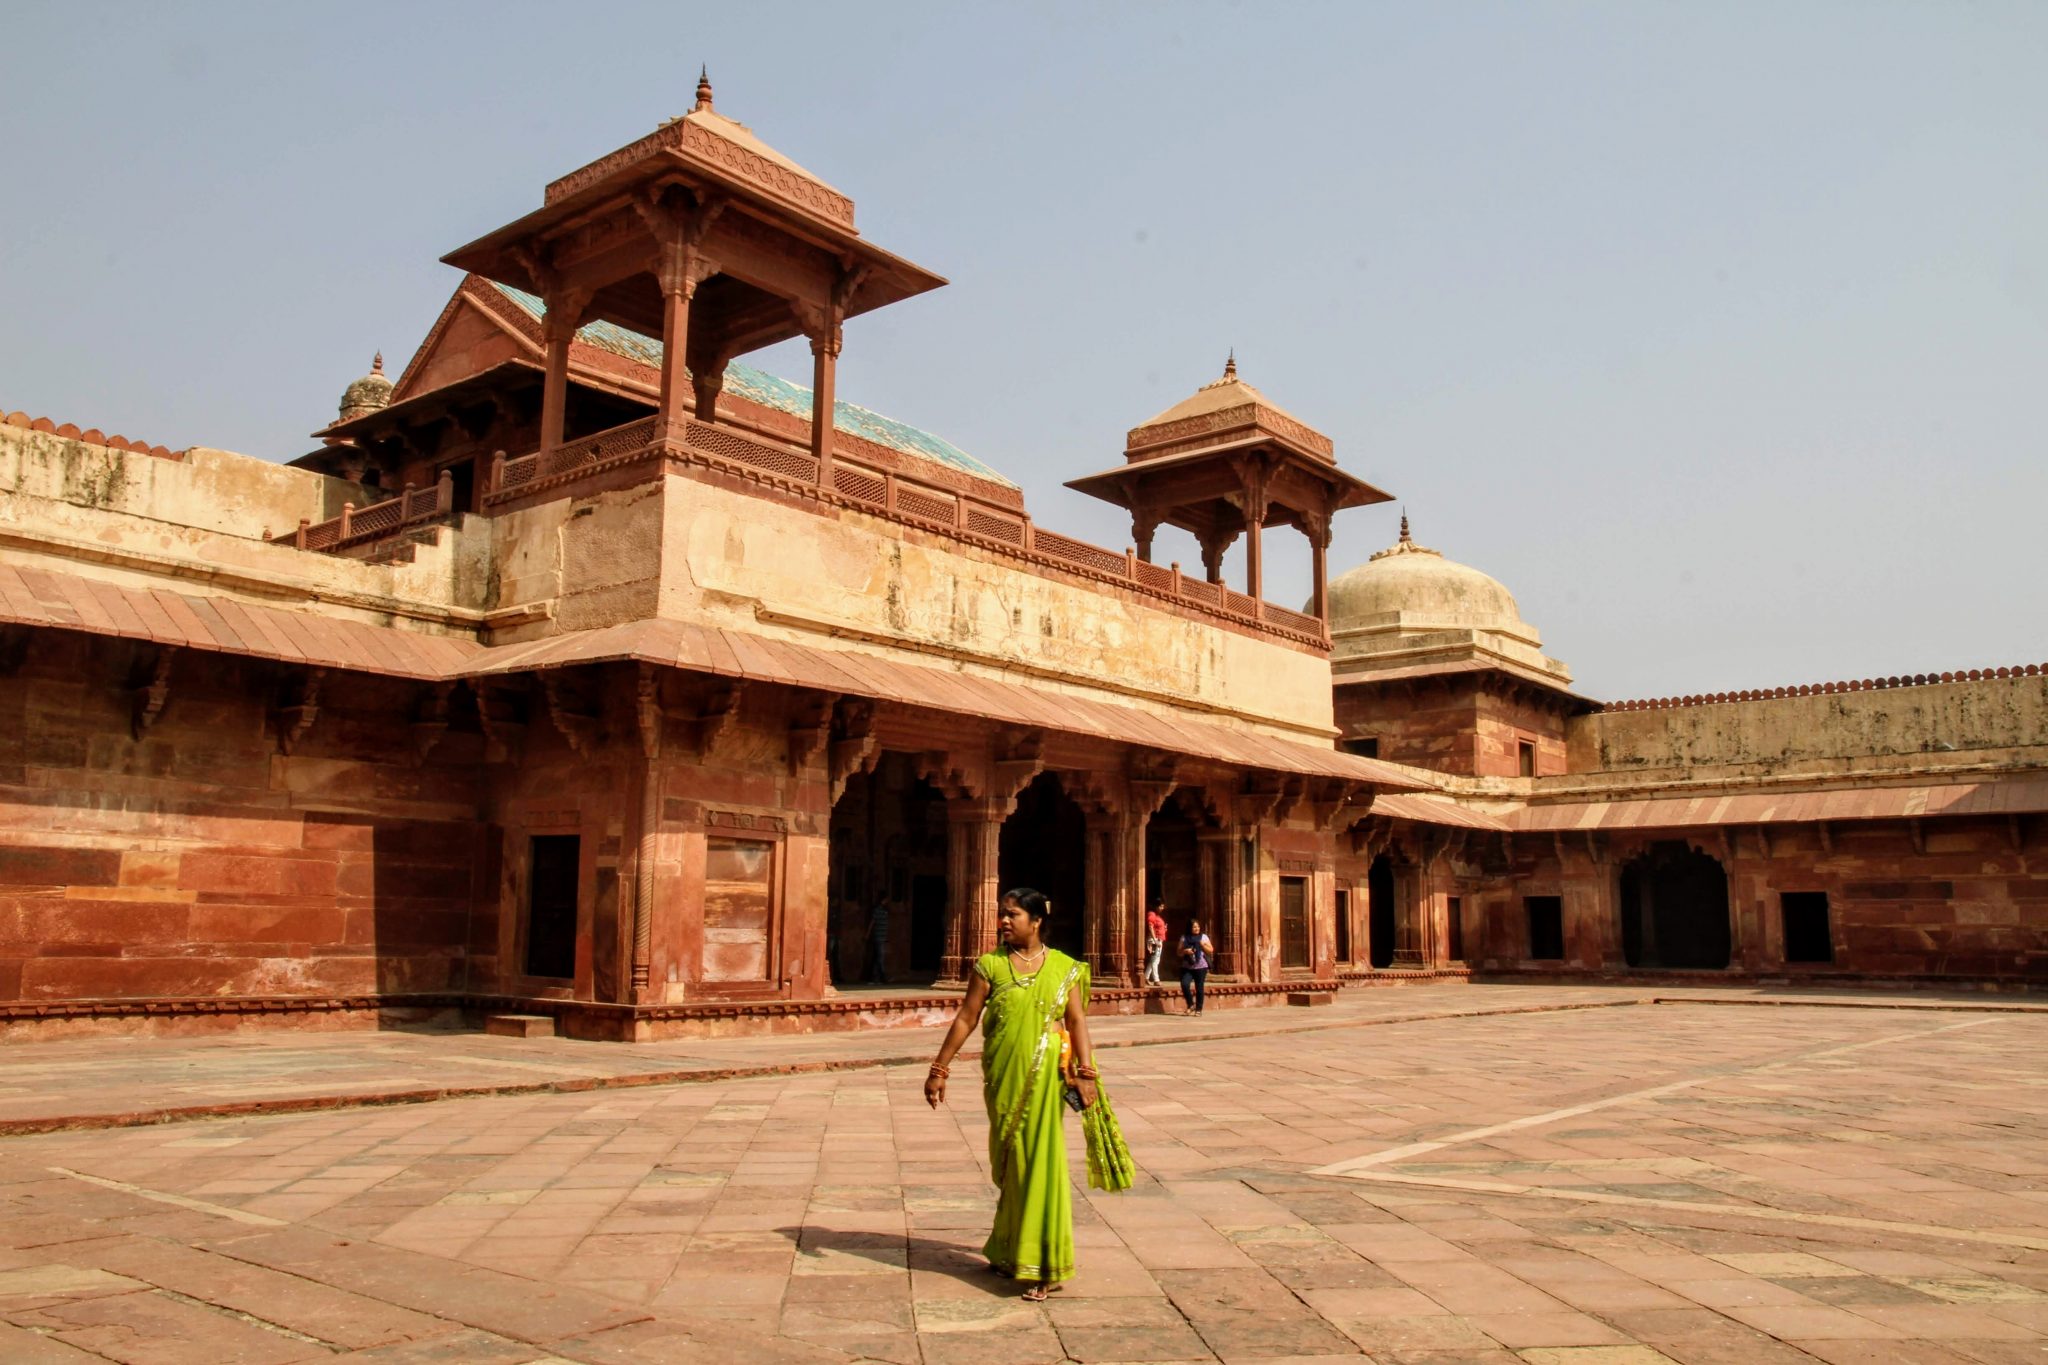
(773, 391)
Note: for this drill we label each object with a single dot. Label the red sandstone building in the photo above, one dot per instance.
(584, 671)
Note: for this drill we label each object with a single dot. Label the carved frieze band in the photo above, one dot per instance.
(1243, 415)
(701, 144)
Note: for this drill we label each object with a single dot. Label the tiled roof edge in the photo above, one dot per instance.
(91, 436)
(1829, 688)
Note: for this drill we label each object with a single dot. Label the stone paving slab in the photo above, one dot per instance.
(99, 1082)
(1604, 1186)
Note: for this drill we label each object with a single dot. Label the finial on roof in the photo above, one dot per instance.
(1230, 365)
(1405, 545)
(377, 363)
(703, 87)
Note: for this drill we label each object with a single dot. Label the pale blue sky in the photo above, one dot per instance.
(1716, 332)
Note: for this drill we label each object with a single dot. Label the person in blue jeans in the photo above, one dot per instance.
(1194, 966)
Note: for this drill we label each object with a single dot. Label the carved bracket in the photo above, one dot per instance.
(571, 714)
(810, 729)
(430, 717)
(647, 712)
(1336, 801)
(296, 716)
(501, 713)
(720, 713)
(1262, 798)
(1016, 763)
(153, 692)
(854, 747)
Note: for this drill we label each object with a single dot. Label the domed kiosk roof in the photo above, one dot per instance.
(1408, 611)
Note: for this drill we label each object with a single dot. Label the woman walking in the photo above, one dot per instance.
(1035, 1057)
(1194, 966)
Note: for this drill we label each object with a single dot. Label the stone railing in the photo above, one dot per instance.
(357, 525)
(900, 497)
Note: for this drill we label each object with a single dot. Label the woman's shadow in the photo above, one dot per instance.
(961, 1260)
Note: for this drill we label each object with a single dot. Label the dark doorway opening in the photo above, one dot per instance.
(1674, 909)
(462, 476)
(1455, 923)
(1807, 934)
(1343, 924)
(554, 862)
(1173, 873)
(888, 847)
(1546, 927)
(1044, 845)
(1379, 909)
(1294, 935)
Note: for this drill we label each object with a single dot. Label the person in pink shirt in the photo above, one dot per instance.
(1155, 941)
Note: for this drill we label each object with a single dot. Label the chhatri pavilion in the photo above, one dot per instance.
(585, 676)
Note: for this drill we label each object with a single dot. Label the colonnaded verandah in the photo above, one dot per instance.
(584, 676)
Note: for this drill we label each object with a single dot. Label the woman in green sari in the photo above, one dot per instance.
(1032, 1001)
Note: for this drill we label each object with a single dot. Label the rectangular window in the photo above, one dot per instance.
(553, 867)
(739, 910)
(1807, 936)
(1343, 924)
(1366, 747)
(1455, 914)
(1525, 755)
(1294, 922)
(1546, 927)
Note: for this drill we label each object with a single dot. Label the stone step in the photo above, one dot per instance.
(520, 1025)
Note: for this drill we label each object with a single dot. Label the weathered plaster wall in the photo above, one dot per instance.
(1998, 721)
(212, 490)
(198, 859)
(755, 564)
(147, 522)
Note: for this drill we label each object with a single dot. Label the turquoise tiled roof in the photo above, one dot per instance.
(773, 391)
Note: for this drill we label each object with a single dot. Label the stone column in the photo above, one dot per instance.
(824, 371)
(1109, 893)
(648, 713)
(1214, 546)
(973, 827)
(678, 276)
(558, 329)
(1319, 550)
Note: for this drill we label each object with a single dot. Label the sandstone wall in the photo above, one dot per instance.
(1968, 899)
(200, 860)
(1995, 721)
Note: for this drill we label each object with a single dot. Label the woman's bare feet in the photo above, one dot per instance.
(1036, 1293)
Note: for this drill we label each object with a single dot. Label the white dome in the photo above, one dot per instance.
(1413, 587)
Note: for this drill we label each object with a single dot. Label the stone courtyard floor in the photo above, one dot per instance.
(1429, 1174)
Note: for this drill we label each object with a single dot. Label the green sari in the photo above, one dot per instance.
(1021, 1028)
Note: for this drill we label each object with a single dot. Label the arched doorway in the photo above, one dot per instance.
(1044, 844)
(888, 846)
(1379, 906)
(1173, 873)
(1674, 908)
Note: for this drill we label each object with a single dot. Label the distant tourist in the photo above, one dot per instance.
(1155, 941)
(1195, 949)
(1035, 1057)
(877, 968)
